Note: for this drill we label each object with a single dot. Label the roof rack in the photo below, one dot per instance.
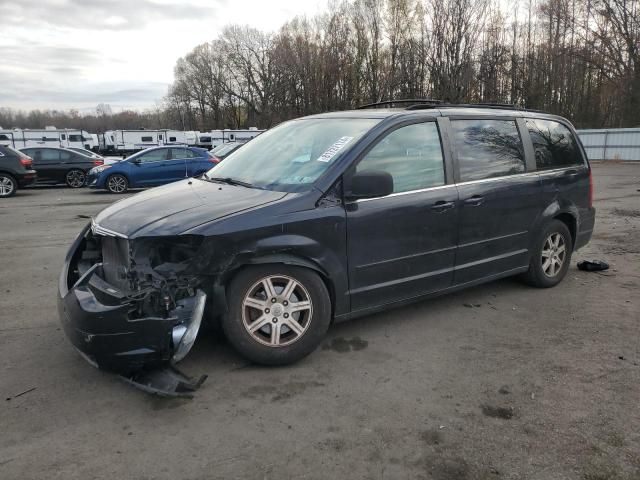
(426, 102)
(502, 106)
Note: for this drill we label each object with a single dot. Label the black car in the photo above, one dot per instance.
(61, 165)
(323, 219)
(15, 171)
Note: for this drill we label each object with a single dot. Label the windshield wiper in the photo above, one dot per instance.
(231, 181)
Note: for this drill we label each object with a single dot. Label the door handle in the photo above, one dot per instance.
(441, 206)
(571, 172)
(474, 201)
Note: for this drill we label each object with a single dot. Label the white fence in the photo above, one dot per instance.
(611, 143)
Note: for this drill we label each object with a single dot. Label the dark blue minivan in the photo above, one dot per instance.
(150, 168)
(327, 218)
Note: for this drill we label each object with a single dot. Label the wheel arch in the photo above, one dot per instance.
(273, 259)
(566, 213)
(121, 173)
(572, 224)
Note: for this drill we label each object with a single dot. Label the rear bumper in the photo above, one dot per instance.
(98, 320)
(27, 179)
(585, 228)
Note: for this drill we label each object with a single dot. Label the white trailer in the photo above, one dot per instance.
(122, 141)
(203, 139)
(6, 138)
(77, 138)
(188, 137)
(219, 137)
(131, 140)
(48, 137)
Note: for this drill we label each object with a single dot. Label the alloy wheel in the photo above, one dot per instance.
(6, 186)
(117, 184)
(554, 253)
(76, 178)
(277, 310)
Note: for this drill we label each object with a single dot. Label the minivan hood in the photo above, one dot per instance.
(180, 206)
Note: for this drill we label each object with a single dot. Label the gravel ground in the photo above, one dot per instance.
(501, 381)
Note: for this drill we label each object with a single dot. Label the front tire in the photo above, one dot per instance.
(8, 185)
(117, 183)
(75, 178)
(277, 314)
(551, 257)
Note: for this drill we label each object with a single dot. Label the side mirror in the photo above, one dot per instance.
(135, 161)
(370, 184)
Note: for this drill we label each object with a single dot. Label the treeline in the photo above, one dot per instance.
(577, 58)
(102, 119)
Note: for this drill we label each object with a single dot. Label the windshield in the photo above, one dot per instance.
(291, 156)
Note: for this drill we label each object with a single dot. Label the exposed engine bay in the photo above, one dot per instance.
(149, 299)
(153, 273)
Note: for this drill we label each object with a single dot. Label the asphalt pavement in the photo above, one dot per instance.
(501, 381)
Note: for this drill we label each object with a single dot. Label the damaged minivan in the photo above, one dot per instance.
(323, 219)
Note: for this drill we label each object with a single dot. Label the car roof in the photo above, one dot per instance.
(45, 146)
(443, 110)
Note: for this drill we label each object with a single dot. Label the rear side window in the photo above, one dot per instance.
(554, 145)
(154, 155)
(172, 139)
(75, 138)
(181, 153)
(46, 155)
(487, 148)
(411, 154)
(149, 139)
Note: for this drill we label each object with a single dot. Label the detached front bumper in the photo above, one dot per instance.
(99, 319)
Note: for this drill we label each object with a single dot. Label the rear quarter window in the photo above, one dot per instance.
(554, 145)
(487, 148)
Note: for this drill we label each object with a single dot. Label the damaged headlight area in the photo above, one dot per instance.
(131, 305)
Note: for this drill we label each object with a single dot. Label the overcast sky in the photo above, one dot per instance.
(78, 53)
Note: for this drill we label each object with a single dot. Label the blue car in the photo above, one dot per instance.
(151, 167)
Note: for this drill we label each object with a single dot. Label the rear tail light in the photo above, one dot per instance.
(98, 162)
(215, 160)
(27, 162)
(590, 188)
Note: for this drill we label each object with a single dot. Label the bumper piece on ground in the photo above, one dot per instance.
(165, 382)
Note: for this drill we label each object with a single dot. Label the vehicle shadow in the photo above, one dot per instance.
(212, 347)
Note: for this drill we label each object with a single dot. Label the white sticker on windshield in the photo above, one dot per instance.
(333, 149)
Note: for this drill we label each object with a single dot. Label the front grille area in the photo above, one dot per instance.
(116, 261)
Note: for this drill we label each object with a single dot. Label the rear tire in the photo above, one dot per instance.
(75, 178)
(277, 314)
(117, 183)
(8, 185)
(551, 256)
